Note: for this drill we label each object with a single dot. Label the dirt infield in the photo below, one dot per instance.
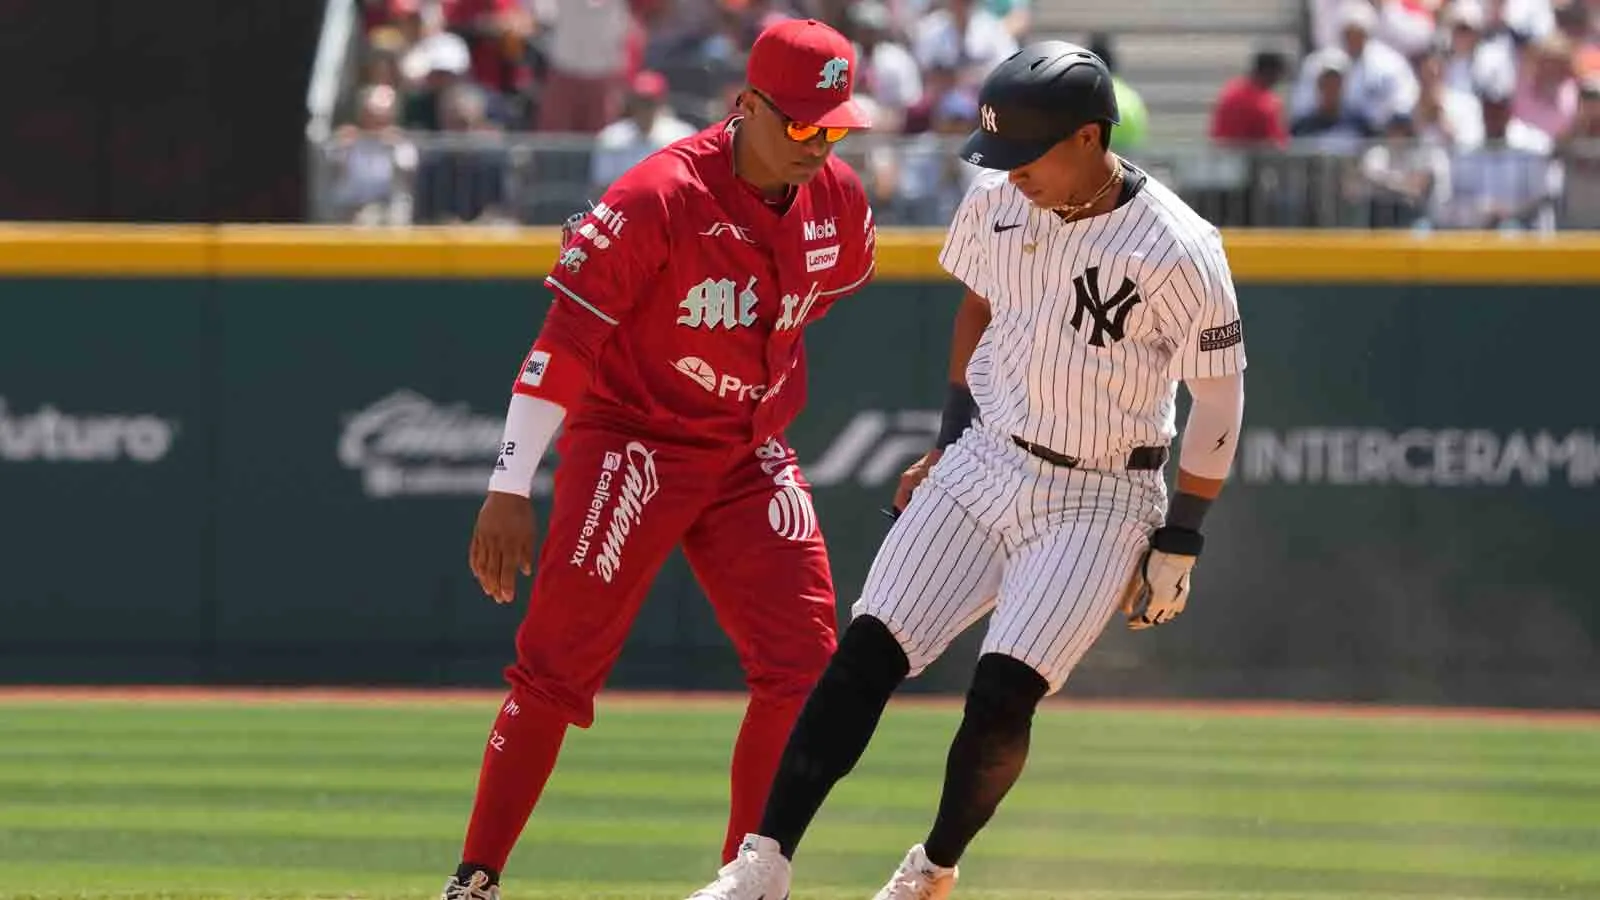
(711, 700)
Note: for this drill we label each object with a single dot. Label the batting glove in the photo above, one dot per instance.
(1159, 588)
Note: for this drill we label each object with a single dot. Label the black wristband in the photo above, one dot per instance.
(959, 408)
(1177, 541)
(1187, 511)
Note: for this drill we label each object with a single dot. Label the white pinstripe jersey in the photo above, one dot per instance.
(1094, 321)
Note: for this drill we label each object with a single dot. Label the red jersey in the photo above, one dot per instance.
(680, 301)
(1248, 113)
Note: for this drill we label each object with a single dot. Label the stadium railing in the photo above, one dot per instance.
(540, 179)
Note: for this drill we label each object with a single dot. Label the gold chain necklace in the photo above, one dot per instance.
(1070, 211)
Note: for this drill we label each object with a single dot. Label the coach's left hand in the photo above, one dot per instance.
(1159, 588)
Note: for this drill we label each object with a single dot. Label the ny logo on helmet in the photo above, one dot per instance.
(988, 117)
(835, 74)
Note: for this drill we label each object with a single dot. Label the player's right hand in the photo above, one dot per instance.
(502, 544)
(913, 477)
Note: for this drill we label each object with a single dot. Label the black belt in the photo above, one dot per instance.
(1140, 459)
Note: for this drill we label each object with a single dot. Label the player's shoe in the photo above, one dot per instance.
(476, 887)
(918, 879)
(758, 872)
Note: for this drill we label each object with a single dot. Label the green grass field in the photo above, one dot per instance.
(203, 800)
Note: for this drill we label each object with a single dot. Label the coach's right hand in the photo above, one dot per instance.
(913, 477)
(502, 544)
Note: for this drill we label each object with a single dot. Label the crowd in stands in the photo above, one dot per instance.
(1430, 113)
(1452, 114)
(617, 79)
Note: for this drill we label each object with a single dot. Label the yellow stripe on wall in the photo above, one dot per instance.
(246, 251)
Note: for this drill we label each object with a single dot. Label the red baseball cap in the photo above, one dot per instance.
(649, 84)
(808, 71)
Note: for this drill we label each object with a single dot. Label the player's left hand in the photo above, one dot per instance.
(1159, 588)
(502, 544)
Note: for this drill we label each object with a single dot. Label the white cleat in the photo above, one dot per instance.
(918, 879)
(475, 888)
(758, 872)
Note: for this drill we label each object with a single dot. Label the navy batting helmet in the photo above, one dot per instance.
(1034, 100)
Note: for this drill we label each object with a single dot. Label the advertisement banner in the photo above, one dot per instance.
(274, 480)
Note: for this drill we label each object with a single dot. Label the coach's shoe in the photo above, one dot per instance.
(478, 886)
(918, 879)
(758, 872)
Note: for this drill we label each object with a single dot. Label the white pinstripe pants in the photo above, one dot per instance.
(1049, 549)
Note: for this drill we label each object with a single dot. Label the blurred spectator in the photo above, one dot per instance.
(889, 73)
(728, 39)
(1330, 126)
(1445, 115)
(430, 46)
(1582, 208)
(1547, 91)
(1507, 26)
(382, 65)
(647, 126)
(588, 56)
(1249, 111)
(1521, 20)
(1378, 82)
(1015, 16)
(463, 178)
(964, 36)
(1130, 134)
(372, 163)
(498, 34)
(759, 14)
(921, 181)
(1409, 178)
(938, 80)
(1510, 180)
(1463, 25)
(1406, 25)
(374, 13)
(435, 64)
(1581, 26)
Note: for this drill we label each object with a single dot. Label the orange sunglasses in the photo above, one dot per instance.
(799, 132)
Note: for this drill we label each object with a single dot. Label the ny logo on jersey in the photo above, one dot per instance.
(835, 74)
(1108, 315)
(713, 302)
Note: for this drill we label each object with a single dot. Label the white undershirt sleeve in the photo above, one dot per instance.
(531, 423)
(1211, 437)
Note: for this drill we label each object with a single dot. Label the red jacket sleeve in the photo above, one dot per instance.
(606, 267)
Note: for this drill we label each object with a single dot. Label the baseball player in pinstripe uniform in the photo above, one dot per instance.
(1091, 291)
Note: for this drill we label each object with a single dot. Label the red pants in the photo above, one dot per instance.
(748, 529)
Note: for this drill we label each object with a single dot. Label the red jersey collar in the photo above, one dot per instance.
(780, 205)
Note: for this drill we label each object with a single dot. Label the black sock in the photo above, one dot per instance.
(834, 728)
(465, 871)
(987, 755)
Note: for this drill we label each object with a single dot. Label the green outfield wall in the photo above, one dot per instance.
(255, 456)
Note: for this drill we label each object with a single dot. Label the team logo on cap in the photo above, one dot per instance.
(835, 74)
(986, 114)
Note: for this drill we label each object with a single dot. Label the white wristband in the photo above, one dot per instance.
(531, 423)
